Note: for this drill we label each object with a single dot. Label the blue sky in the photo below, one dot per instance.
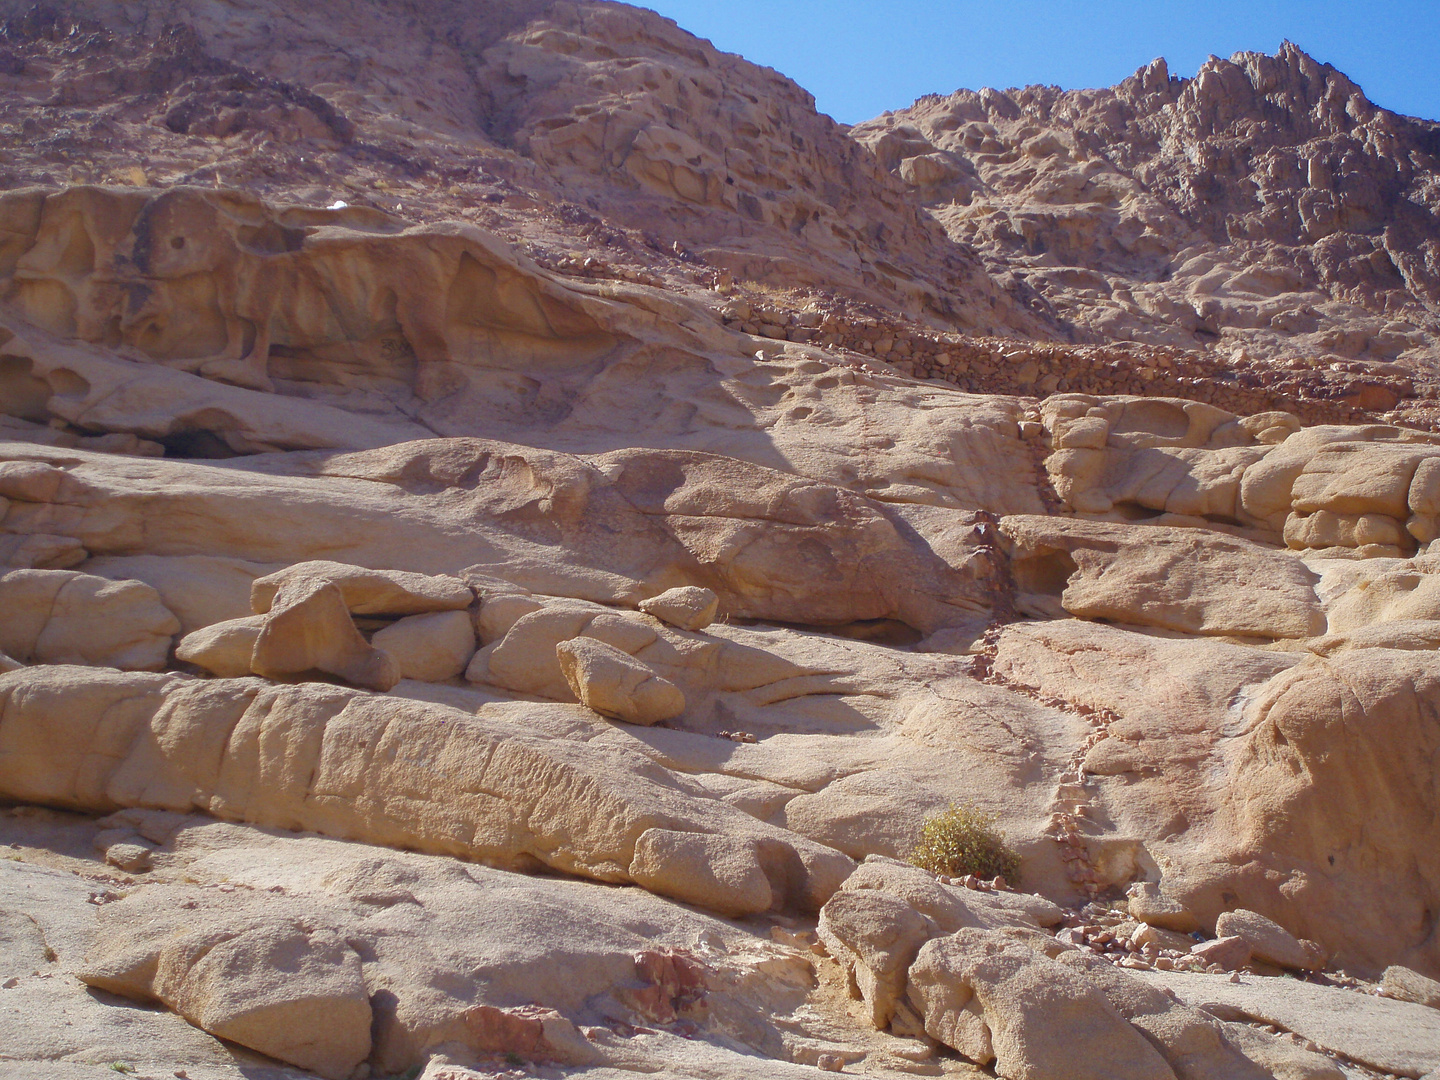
(860, 59)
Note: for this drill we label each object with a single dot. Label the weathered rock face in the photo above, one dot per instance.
(324, 760)
(1265, 204)
(612, 593)
(610, 107)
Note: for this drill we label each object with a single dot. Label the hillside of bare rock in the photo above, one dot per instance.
(1264, 208)
(511, 524)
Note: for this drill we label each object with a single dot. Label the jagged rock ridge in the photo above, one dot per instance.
(1265, 204)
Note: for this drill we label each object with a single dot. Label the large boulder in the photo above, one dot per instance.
(435, 647)
(224, 648)
(308, 629)
(615, 684)
(369, 592)
(1268, 940)
(64, 617)
(1185, 580)
(287, 989)
(876, 923)
(1335, 803)
(688, 607)
(875, 937)
(1034, 1018)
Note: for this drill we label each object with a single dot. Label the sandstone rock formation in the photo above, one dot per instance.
(510, 523)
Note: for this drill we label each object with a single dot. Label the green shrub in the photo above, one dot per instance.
(964, 840)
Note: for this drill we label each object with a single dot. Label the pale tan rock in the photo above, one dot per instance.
(317, 757)
(1401, 634)
(225, 648)
(431, 648)
(369, 592)
(615, 684)
(9, 664)
(1396, 1037)
(876, 937)
(1359, 478)
(1044, 1020)
(865, 561)
(1174, 579)
(200, 589)
(499, 613)
(1406, 985)
(489, 934)
(30, 481)
(1424, 495)
(1369, 798)
(130, 857)
(1161, 939)
(1085, 433)
(41, 551)
(1193, 1043)
(1268, 940)
(1326, 529)
(1151, 906)
(1229, 953)
(1282, 1057)
(308, 628)
(1405, 593)
(526, 660)
(288, 991)
(719, 873)
(689, 607)
(953, 907)
(63, 617)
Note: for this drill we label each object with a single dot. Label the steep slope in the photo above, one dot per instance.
(1264, 206)
(594, 110)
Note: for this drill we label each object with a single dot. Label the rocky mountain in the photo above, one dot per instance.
(1264, 207)
(513, 526)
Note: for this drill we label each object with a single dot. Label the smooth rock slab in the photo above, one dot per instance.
(403, 773)
(1393, 1036)
(1186, 580)
(370, 592)
(1045, 1020)
(283, 988)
